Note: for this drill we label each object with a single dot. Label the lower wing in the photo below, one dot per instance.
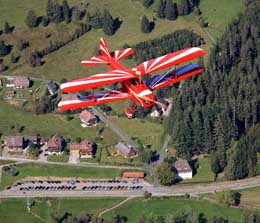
(174, 76)
(96, 99)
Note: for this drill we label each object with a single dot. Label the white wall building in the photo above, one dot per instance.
(184, 170)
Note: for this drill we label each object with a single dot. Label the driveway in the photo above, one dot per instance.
(74, 156)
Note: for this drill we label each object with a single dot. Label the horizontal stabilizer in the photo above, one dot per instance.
(93, 61)
(123, 53)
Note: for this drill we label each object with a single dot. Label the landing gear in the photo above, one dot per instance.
(130, 112)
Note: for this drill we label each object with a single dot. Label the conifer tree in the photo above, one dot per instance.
(108, 23)
(66, 11)
(31, 19)
(161, 9)
(147, 3)
(186, 7)
(170, 12)
(145, 25)
(7, 28)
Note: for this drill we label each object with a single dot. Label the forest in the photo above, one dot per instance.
(218, 111)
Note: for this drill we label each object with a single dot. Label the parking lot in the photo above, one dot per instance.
(78, 185)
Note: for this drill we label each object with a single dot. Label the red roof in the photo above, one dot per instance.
(86, 116)
(133, 175)
(83, 145)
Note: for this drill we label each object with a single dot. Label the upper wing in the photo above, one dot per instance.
(96, 80)
(174, 76)
(168, 60)
(92, 100)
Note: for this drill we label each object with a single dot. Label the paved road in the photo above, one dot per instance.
(162, 155)
(32, 78)
(115, 129)
(69, 164)
(156, 191)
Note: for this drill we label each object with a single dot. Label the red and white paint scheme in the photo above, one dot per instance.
(132, 85)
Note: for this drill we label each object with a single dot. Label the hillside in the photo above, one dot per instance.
(64, 63)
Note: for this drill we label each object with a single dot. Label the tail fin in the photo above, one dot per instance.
(104, 48)
(104, 59)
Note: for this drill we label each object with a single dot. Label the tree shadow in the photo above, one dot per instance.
(38, 21)
(117, 23)
(151, 25)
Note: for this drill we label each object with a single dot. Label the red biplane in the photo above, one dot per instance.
(132, 86)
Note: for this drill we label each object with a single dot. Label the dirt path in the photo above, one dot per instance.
(115, 206)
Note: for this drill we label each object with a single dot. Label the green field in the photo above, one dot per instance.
(34, 170)
(204, 173)
(47, 125)
(65, 61)
(148, 132)
(220, 13)
(44, 208)
(134, 209)
(3, 162)
(58, 158)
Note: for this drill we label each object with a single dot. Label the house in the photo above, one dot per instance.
(88, 118)
(133, 175)
(14, 142)
(68, 96)
(183, 168)
(43, 140)
(52, 88)
(84, 148)
(124, 150)
(156, 113)
(33, 138)
(10, 82)
(9, 94)
(55, 145)
(21, 82)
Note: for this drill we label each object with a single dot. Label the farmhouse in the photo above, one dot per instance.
(183, 168)
(84, 148)
(10, 82)
(21, 82)
(33, 138)
(155, 113)
(14, 142)
(9, 94)
(55, 145)
(133, 175)
(52, 88)
(88, 118)
(125, 150)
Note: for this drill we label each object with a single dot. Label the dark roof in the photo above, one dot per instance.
(52, 87)
(14, 141)
(123, 148)
(182, 166)
(32, 138)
